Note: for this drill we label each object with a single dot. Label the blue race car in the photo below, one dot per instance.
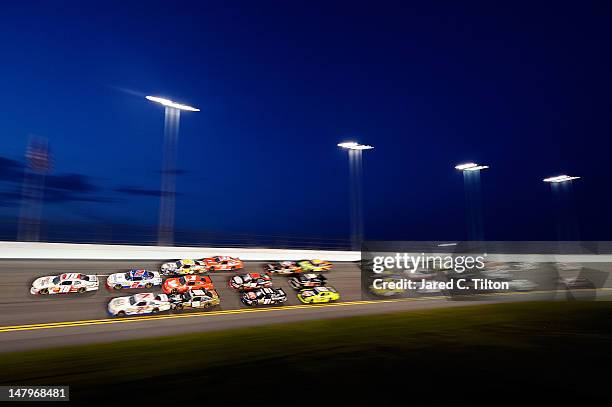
(134, 279)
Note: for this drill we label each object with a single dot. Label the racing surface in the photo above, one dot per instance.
(66, 319)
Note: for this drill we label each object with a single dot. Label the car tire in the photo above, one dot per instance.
(44, 291)
(118, 287)
(174, 291)
(179, 306)
(149, 285)
(81, 290)
(211, 269)
(155, 311)
(233, 268)
(121, 313)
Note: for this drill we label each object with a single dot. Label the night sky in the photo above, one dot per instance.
(523, 88)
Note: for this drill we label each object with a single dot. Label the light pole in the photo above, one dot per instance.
(38, 166)
(473, 198)
(356, 194)
(165, 232)
(561, 186)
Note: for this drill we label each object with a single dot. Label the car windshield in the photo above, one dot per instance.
(127, 276)
(56, 280)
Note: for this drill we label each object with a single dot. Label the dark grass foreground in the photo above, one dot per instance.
(485, 354)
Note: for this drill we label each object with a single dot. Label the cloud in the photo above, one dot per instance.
(70, 182)
(58, 188)
(142, 191)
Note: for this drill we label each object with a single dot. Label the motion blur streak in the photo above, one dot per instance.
(355, 169)
(168, 183)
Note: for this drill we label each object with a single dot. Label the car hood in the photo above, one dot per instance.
(172, 282)
(43, 282)
(117, 278)
(120, 302)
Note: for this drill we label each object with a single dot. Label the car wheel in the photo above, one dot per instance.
(118, 287)
(174, 291)
(155, 311)
(211, 269)
(44, 291)
(149, 285)
(233, 268)
(179, 306)
(207, 305)
(81, 290)
(121, 313)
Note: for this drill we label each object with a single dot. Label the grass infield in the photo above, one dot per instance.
(535, 350)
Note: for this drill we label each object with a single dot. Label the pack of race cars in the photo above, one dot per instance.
(186, 287)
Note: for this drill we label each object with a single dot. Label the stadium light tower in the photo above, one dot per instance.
(563, 202)
(165, 234)
(355, 172)
(473, 198)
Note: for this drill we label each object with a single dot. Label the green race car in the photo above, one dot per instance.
(318, 295)
(314, 265)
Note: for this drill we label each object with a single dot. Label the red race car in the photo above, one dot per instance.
(181, 284)
(251, 281)
(222, 263)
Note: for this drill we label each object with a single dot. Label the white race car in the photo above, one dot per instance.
(65, 283)
(137, 304)
(522, 285)
(182, 267)
(134, 279)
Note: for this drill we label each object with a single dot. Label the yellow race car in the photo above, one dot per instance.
(314, 265)
(317, 295)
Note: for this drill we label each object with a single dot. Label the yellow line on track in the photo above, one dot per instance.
(67, 324)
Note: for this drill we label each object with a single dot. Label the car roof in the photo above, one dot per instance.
(324, 289)
(71, 276)
(139, 273)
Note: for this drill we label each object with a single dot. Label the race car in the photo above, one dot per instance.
(263, 296)
(178, 285)
(314, 265)
(283, 267)
(250, 281)
(388, 286)
(182, 267)
(195, 299)
(522, 285)
(133, 279)
(576, 283)
(318, 295)
(307, 280)
(222, 263)
(138, 304)
(65, 283)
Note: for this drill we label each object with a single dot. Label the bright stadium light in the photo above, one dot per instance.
(470, 167)
(170, 103)
(351, 145)
(560, 178)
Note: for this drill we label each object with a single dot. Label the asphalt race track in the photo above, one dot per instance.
(28, 322)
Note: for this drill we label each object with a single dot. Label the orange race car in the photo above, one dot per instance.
(222, 263)
(181, 284)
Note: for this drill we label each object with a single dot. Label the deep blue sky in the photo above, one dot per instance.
(524, 88)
